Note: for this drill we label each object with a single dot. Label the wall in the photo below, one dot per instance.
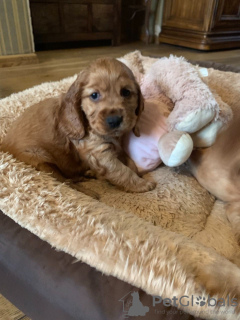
(15, 27)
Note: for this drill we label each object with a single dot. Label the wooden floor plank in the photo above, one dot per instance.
(9, 312)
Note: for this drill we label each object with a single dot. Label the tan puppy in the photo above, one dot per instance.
(218, 169)
(82, 129)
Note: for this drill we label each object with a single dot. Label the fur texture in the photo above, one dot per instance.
(218, 168)
(172, 241)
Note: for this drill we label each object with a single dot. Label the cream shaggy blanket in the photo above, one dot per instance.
(172, 241)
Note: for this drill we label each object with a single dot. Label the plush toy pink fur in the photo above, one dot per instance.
(180, 113)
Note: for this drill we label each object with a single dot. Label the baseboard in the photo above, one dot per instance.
(17, 60)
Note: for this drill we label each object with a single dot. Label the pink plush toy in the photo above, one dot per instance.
(169, 136)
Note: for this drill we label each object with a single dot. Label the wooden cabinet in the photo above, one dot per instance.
(202, 24)
(75, 20)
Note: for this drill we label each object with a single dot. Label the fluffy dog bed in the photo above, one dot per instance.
(173, 241)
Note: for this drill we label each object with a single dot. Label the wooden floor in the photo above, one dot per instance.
(58, 64)
(10, 312)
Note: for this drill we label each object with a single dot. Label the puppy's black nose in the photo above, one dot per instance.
(114, 121)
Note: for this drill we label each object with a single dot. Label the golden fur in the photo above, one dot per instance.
(218, 169)
(75, 132)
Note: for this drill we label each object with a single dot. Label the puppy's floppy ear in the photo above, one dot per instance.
(72, 119)
(138, 111)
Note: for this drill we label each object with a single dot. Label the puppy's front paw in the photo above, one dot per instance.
(143, 186)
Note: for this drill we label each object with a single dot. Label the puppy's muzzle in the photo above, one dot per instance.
(114, 122)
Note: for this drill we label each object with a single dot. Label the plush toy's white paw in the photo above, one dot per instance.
(207, 136)
(196, 121)
(175, 148)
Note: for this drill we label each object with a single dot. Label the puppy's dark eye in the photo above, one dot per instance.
(95, 96)
(125, 93)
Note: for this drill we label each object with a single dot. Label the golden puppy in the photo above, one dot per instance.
(82, 129)
(218, 169)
